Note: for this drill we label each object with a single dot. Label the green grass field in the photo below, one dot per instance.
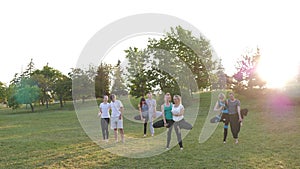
(55, 139)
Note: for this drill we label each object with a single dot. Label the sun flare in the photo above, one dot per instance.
(277, 72)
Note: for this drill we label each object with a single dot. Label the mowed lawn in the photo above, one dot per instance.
(54, 139)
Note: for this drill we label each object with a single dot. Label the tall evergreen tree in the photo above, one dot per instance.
(102, 80)
(118, 87)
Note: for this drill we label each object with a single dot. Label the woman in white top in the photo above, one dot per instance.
(104, 114)
(177, 112)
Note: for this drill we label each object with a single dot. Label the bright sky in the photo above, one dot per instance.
(55, 32)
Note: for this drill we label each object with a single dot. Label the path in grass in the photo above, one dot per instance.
(55, 139)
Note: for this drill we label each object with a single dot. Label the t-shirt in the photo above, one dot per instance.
(151, 104)
(168, 112)
(115, 108)
(232, 106)
(177, 110)
(104, 108)
(144, 109)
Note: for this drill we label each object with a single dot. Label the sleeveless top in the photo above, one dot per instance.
(225, 109)
(168, 112)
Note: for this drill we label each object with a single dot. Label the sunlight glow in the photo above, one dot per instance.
(277, 72)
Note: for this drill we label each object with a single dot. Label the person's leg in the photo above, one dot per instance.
(225, 132)
(158, 124)
(120, 127)
(103, 128)
(170, 127)
(234, 126)
(151, 124)
(178, 134)
(145, 128)
(122, 134)
(116, 134)
(226, 122)
(106, 128)
(114, 126)
(185, 125)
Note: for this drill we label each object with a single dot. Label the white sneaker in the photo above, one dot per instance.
(181, 148)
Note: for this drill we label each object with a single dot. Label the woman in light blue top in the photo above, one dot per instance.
(144, 113)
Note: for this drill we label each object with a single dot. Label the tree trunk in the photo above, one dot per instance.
(47, 104)
(32, 108)
(61, 101)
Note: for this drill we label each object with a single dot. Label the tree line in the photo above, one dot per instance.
(161, 66)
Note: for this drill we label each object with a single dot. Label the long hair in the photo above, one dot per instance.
(179, 98)
(141, 102)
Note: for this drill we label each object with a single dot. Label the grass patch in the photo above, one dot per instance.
(54, 138)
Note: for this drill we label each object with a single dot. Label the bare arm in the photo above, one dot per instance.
(239, 113)
(140, 110)
(100, 112)
(179, 114)
(217, 108)
(163, 114)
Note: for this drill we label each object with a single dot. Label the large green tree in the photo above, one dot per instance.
(194, 52)
(83, 80)
(46, 79)
(62, 89)
(25, 91)
(178, 60)
(137, 72)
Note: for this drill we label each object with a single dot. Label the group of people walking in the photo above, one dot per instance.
(230, 114)
(172, 116)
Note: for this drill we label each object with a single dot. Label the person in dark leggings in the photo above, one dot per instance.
(177, 112)
(104, 113)
(166, 110)
(235, 118)
(144, 113)
(221, 106)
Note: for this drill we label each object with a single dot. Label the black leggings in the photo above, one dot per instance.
(104, 127)
(145, 124)
(177, 129)
(225, 120)
(170, 126)
(234, 125)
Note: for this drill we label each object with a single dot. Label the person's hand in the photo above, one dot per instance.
(99, 114)
(120, 117)
(240, 119)
(165, 124)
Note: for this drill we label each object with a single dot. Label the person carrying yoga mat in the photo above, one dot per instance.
(221, 106)
(235, 117)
